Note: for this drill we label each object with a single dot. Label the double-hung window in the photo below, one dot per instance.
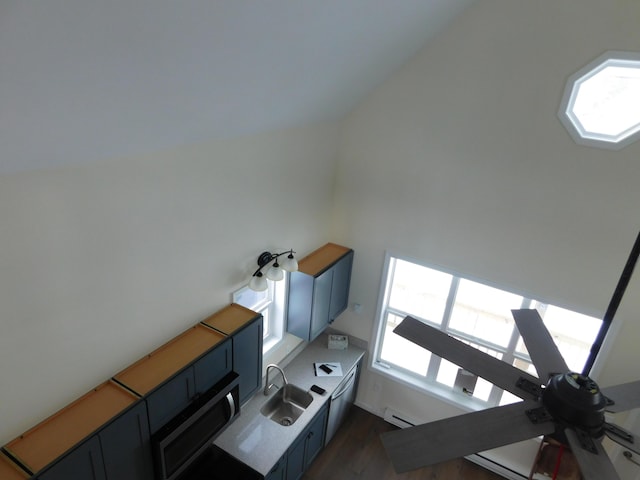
(271, 304)
(473, 312)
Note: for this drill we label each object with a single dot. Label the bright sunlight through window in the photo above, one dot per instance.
(475, 313)
(601, 104)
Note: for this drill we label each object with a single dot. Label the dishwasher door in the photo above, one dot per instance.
(341, 402)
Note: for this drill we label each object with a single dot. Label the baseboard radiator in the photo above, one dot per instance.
(398, 419)
(403, 421)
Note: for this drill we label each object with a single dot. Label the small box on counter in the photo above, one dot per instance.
(338, 342)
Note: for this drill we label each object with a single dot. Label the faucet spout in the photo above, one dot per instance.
(267, 385)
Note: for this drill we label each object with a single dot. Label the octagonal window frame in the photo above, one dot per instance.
(570, 120)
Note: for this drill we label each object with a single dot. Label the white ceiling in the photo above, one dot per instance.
(83, 80)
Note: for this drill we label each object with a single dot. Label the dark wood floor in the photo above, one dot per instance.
(356, 452)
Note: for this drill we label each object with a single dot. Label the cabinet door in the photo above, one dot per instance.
(84, 462)
(315, 437)
(170, 399)
(210, 369)
(295, 458)
(315, 300)
(247, 358)
(340, 286)
(279, 471)
(321, 303)
(299, 303)
(126, 446)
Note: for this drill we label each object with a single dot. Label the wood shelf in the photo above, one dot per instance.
(318, 260)
(45, 442)
(9, 470)
(150, 371)
(230, 319)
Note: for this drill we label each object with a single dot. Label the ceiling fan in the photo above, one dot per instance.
(567, 405)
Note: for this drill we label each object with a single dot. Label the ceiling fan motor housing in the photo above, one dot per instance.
(575, 399)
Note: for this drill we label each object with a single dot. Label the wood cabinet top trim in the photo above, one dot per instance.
(45, 442)
(150, 371)
(230, 319)
(320, 259)
(9, 470)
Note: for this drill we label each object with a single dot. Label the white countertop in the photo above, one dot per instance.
(260, 442)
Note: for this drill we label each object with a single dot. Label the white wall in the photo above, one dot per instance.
(460, 160)
(101, 264)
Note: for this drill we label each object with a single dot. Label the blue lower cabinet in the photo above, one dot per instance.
(315, 437)
(84, 462)
(295, 458)
(306, 447)
(279, 471)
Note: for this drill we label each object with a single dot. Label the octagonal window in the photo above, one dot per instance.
(601, 102)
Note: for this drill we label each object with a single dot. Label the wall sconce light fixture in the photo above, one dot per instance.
(275, 272)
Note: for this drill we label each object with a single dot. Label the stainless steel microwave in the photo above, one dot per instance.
(179, 443)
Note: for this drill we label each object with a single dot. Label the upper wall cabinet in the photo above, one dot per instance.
(319, 290)
(48, 440)
(120, 451)
(244, 326)
(176, 373)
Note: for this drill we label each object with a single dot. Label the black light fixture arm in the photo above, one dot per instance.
(267, 257)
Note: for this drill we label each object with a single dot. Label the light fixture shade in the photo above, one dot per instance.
(258, 283)
(275, 273)
(290, 264)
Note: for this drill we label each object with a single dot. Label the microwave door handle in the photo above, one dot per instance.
(232, 406)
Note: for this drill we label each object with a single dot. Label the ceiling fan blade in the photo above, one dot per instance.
(625, 396)
(623, 437)
(496, 371)
(594, 466)
(455, 437)
(542, 349)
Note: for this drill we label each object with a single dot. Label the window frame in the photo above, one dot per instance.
(428, 384)
(572, 123)
(272, 309)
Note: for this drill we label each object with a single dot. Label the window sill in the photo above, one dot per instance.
(445, 394)
(270, 343)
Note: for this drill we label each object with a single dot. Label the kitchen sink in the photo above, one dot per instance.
(286, 406)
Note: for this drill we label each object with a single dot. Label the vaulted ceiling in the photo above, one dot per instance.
(83, 80)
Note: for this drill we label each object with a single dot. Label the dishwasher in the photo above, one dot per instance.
(341, 402)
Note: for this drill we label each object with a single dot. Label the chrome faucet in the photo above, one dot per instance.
(267, 385)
